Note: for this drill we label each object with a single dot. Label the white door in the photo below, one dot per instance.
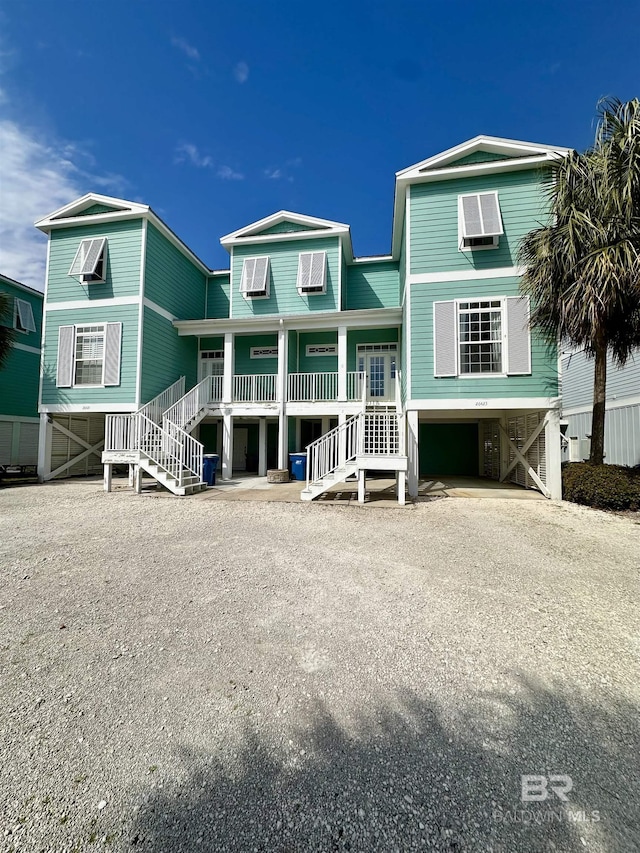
(240, 439)
(378, 361)
(211, 364)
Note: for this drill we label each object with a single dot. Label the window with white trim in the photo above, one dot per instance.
(23, 316)
(480, 336)
(312, 273)
(255, 278)
(89, 355)
(479, 221)
(89, 264)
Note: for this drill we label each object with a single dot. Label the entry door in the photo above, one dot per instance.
(380, 368)
(211, 364)
(240, 441)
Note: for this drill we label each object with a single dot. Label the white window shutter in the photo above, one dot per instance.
(248, 269)
(445, 339)
(64, 370)
(318, 270)
(25, 315)
(305, 260)
(112, 345)
(261, 275)
(518, 335)
(491, 219)
(471, 221)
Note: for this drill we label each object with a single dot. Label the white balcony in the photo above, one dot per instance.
(323, 387)
(255, 388)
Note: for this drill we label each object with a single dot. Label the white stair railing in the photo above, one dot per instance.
(194, 401)
(155, 408)
(332, 450)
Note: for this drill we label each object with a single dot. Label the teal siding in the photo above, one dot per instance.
(124, 246)
(434, 220)
(215, 343)
(367, 336)
(372, 285)
(244, 364)
(316, 363)
(97, 208)
(218, 297)
(20, 374)
(284, 297)
(171, 279)
(165, 356)
(123, 393)
(478, 157)
(286, 227)
(542, 382)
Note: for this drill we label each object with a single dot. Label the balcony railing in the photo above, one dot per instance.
(323, 387)
(255, 388)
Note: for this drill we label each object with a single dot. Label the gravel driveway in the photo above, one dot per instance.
(180, 675)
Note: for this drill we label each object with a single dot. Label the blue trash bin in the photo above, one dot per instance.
(209, 466)
(298, 462)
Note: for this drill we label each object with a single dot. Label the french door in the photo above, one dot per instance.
(378, 361)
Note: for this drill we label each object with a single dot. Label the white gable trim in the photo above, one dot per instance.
(319, 227)
(75, 208)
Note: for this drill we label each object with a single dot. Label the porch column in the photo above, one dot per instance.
(412, 453)
(227, 446)
(325, 421)
(342, 364)
(107, 477)
(262, 447)
(227, 377)
(138, 480)
(283, 441)
(44, 448)
(553, 452)
(362, 485)
(400, 487)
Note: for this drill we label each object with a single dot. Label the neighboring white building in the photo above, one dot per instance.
(622, 421)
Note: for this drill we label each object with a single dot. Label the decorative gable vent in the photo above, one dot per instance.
(312, 272)
(255, 277)
(89, 263)
(480, 222)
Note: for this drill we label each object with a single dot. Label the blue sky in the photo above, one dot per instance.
(219, 114)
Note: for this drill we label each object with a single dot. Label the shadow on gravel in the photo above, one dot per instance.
(403, 781)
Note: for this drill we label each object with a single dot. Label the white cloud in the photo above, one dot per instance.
(187, 152)
(273, 174)
(241, 72)
(36, 178)
(188, 49)
(228, 174)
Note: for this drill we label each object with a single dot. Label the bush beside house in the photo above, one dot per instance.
(612, 487)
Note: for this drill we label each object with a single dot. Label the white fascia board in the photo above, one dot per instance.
(463, 275)
(367, 318)
(491, 144)
(275, 219)
(479, 405)
(252, 239)
(74, 304)
(4, 279)
(372, 259)
(474, 169)
(88, 408)
(71, 210)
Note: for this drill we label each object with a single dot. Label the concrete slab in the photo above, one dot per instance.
(475, 487)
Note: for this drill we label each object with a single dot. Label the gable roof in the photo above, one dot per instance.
(263, 229)
(507, 155)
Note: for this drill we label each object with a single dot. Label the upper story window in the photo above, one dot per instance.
(312, 272)
(89, 265)
(479, 221)
(23, 316)
(89, 355)
(255, 277)
(482, 337)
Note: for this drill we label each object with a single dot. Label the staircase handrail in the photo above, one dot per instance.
(190, 404)
(156, 407)
(333, 450)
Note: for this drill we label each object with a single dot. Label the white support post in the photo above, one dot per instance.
(138, 480)
(262, 447)
(227, 446)
(412, 453)
(107, 477)
(342, 364)
(283, 441)
(553, 452)
(44, 448)
(400, 487)
(362, 485)
(132, 476)
(227, 377)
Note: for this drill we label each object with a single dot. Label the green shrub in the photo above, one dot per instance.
(601, 486)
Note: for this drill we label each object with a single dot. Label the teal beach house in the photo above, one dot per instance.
(19, 377)
(418, 362)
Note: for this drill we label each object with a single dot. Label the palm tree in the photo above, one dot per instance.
(6, 332)
(583, 269)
